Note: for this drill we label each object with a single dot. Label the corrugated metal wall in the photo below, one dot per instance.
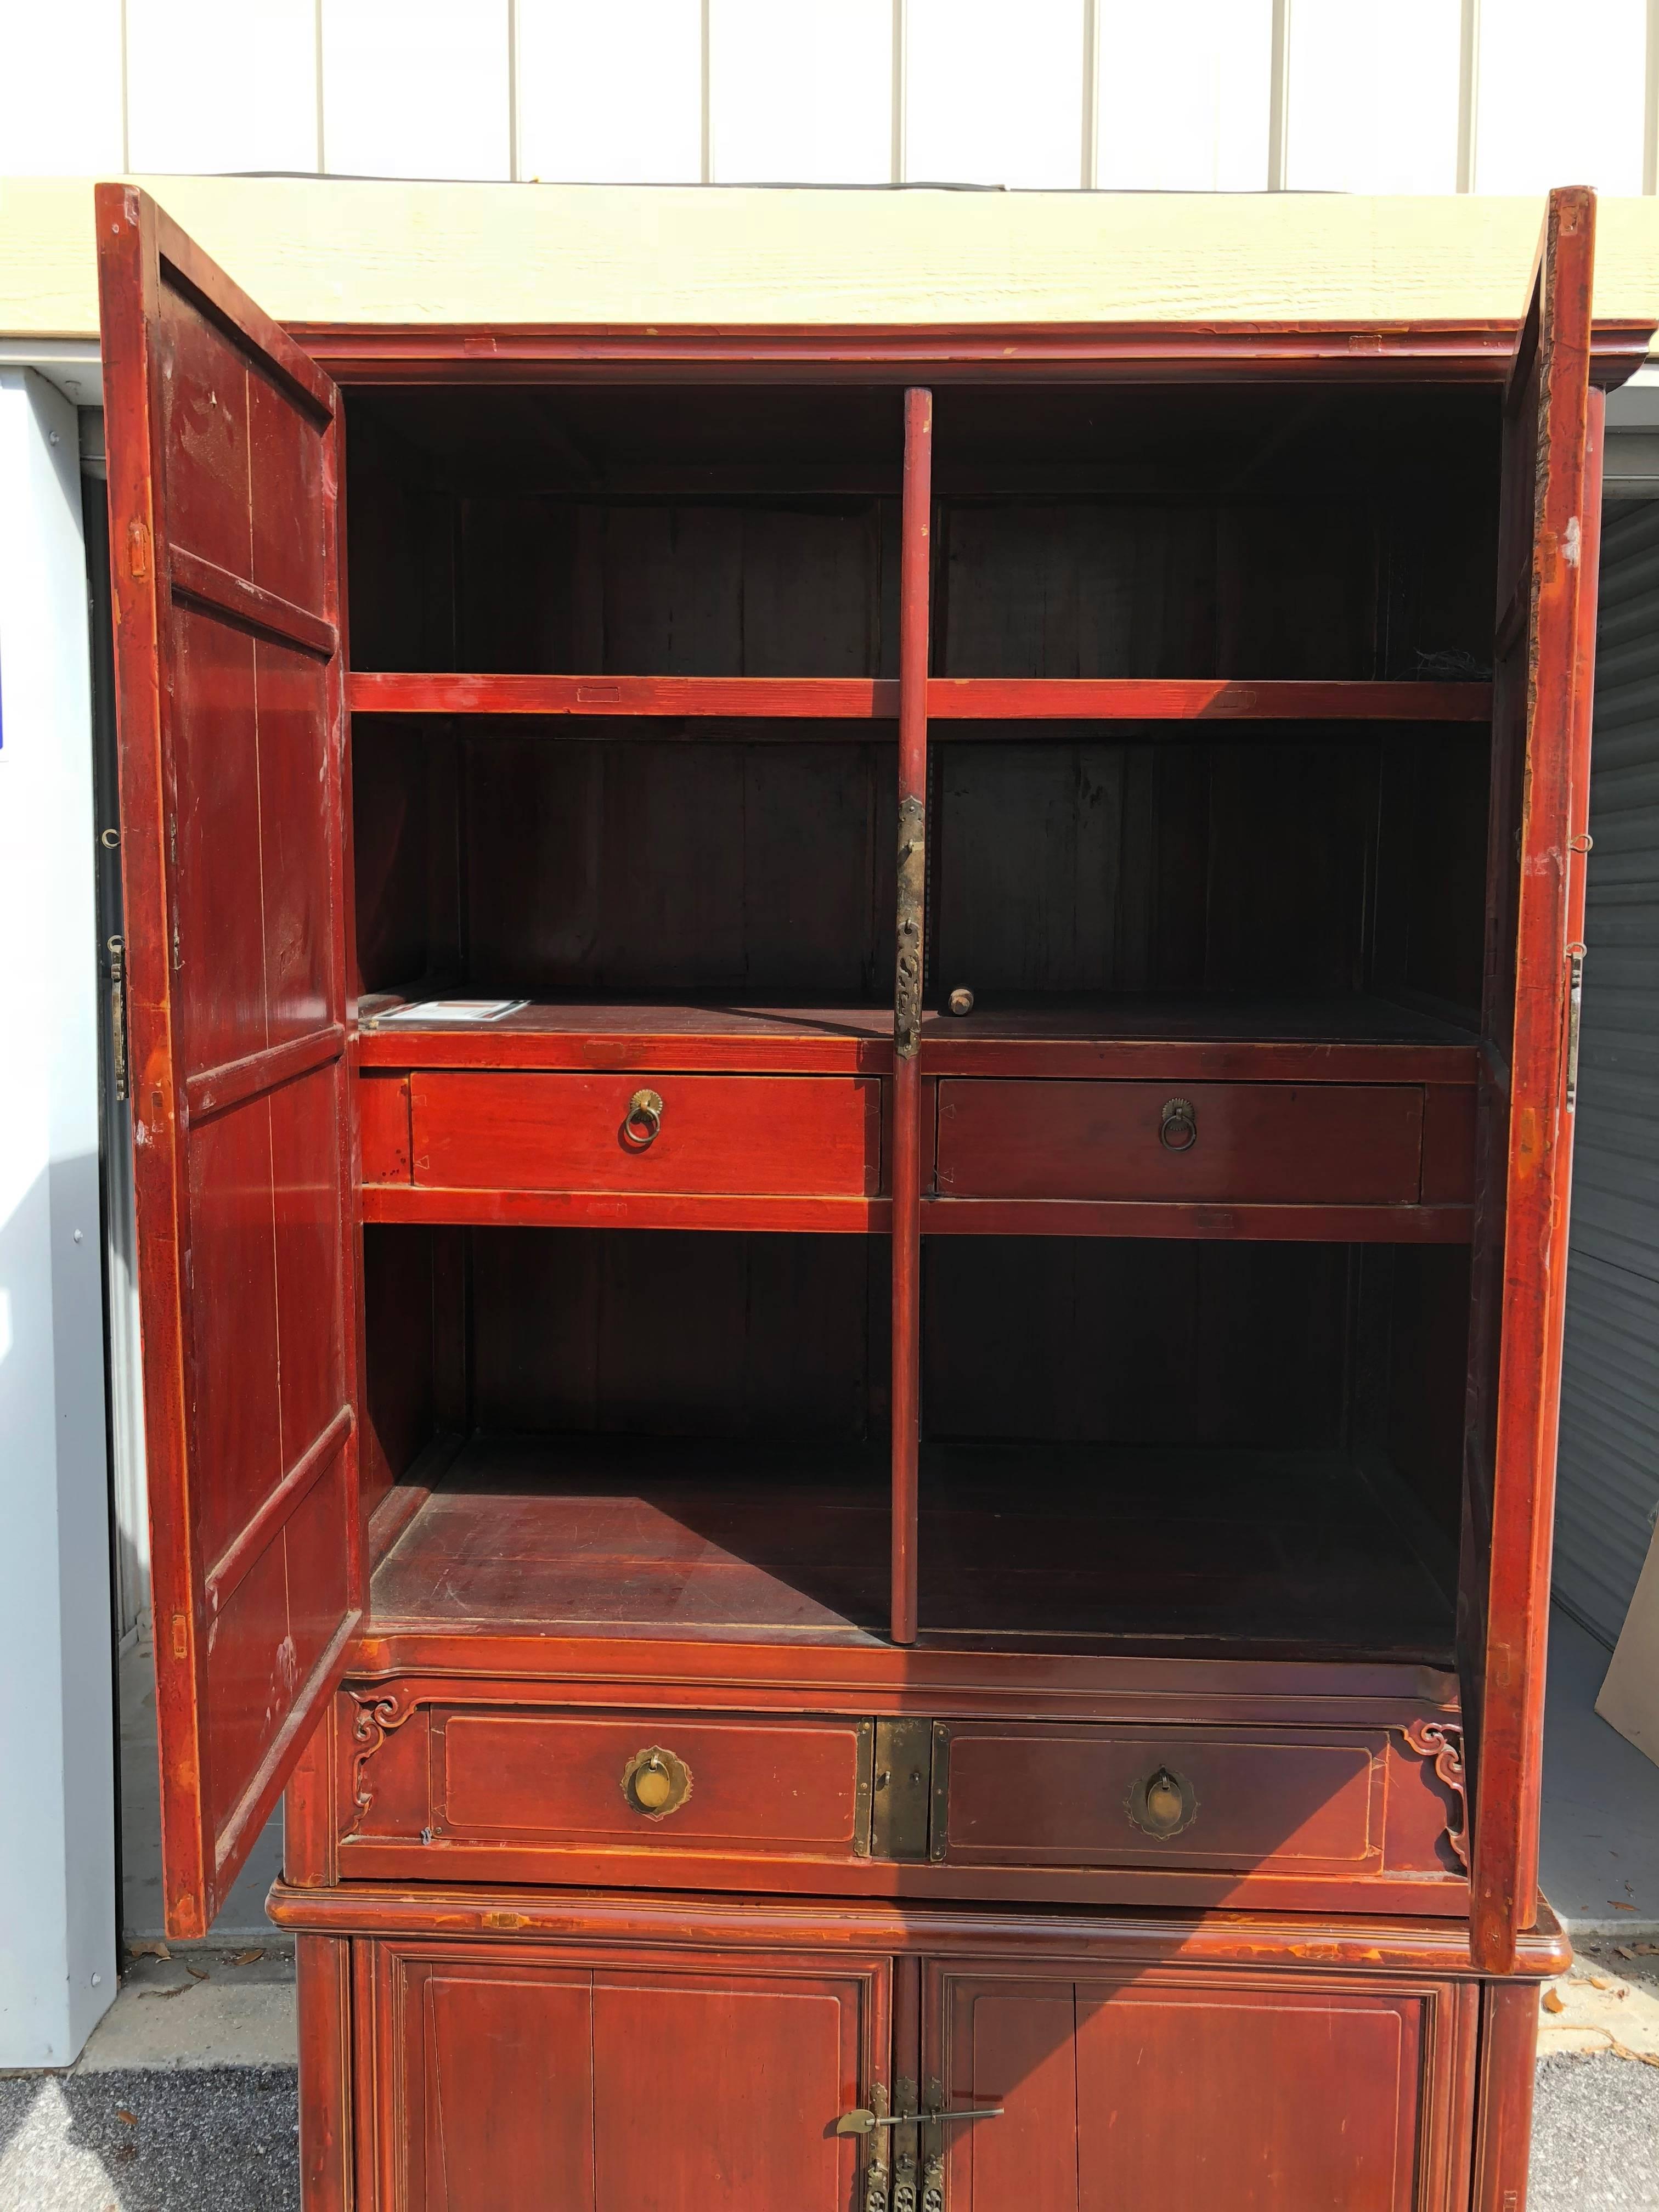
(1213, 95)
(1608, 1480)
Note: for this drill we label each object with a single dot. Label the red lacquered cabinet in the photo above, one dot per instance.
(852, 1155)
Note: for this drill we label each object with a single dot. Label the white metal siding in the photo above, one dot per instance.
(1229, 96)
(1608, 1482)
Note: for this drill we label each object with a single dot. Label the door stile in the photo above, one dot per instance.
(1541, 734)
(915, 560)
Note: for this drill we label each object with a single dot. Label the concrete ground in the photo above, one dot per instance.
(184, 2100)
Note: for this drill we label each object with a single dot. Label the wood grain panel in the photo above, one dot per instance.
(1262, 1144)
(1042, 1795)
(754, 1785)
(783, 1136)
(224, 446)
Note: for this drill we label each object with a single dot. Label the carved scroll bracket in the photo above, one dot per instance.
(1443, 1741)
(379, 1712)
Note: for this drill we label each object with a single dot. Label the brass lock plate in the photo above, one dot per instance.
(901, 1789)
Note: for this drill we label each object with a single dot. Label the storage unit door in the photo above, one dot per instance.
(223, 484)
(528, 2076)
(1237, 2093)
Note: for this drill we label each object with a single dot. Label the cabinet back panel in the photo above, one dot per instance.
(679, 1333)
(1075, 866)
(1103, 1340)
(637, 867)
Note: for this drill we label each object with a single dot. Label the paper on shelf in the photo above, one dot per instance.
(432, 1012)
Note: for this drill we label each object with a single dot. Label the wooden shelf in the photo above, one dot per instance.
(950, 700)
(1186, 1039)
(1285, 1553)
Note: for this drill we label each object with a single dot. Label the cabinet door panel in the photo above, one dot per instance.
(223, 470)
(584, 2081)
(717, 2090)
(1240, 2093)
(1543, 654)
(507, 2110)
(1244, 2104)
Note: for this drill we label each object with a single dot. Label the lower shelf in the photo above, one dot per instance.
(1217, 1552)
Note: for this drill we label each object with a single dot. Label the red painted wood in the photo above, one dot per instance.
(223, 451)
(1191, 2090)
(1053, 1795)
(904, 1173)
(946, 1216)
(383, 1128)
(574, 2078)
(950, 699)
(856, 1217)
(785, 1137)
(823, 698)
(1147, 1038)
(1476, 352)
(1261, 1142)
(1541, 783)
(1448, 1128)
(1134, 699)
(726, 1039)
(1503, 2144)
(1348, 1945)
(514, 1777)
(323, 1976)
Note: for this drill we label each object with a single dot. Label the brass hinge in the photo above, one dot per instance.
(117, 1015)
(1575, 1012)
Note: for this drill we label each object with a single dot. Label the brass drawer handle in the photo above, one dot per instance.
(1177, 1127)
(655, 1782)
(1163, 1803)
(643, 1120)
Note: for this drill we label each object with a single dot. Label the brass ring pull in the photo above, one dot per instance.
(1177, 1127)
(655, 1782)
(1162, 1803)
(643, 1120)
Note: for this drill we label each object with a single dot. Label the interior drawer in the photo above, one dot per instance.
(638, 1780)
(788, 1135)
(1029, 1795)
(1287, 1144)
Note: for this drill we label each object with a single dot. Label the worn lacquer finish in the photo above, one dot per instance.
(1549, 531)
(1097, 1510)
(223, 469)
(905, 1174)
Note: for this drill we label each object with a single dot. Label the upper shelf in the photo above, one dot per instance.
(1186, 1039)
(950, 699)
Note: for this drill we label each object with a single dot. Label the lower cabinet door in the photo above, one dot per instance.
(1234, 2091)
(560, 2081)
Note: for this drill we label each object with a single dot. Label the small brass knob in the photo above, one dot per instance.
(961, 1000)
(655, 1782)
(642, 1120)
(1177, 1127)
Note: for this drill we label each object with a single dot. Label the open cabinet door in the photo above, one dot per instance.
(223, 445)
(1548, 532)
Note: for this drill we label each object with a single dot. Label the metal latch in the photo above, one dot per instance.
(862, 2122)
(894, 2190)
